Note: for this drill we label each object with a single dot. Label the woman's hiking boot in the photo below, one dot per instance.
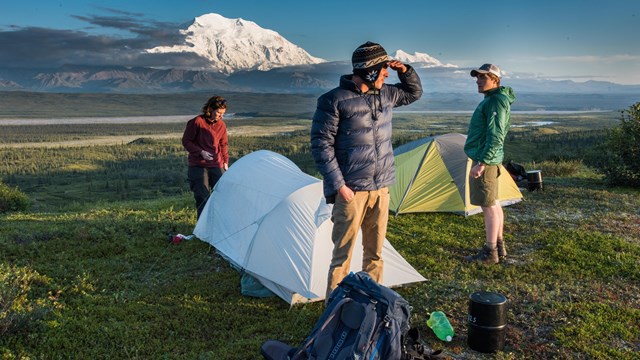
(502, 250)
(485, 255)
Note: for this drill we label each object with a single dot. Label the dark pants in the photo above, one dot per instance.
(201, 181)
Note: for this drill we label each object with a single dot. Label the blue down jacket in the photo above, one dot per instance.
(351, 133)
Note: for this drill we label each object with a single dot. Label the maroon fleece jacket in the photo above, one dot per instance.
(201, 134)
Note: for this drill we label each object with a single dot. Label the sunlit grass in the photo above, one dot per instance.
(116, 287)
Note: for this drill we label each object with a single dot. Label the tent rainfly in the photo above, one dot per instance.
(270, 219)
(432, 176)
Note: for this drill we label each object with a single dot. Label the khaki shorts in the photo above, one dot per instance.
(483, 191)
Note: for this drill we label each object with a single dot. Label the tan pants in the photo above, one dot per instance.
(368, 210)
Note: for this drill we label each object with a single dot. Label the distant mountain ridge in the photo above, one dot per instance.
(309, 78)
(238, 55)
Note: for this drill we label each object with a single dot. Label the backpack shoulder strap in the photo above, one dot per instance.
(330, 319)
(367, 328)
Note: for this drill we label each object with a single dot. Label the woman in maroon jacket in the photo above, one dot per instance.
(205, 138)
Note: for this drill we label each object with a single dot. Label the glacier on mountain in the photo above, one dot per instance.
(230, 45)
(420, 59)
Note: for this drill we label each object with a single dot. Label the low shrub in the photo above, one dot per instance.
(560, 168)
(20, 304)
(12, 199)
(619, 162)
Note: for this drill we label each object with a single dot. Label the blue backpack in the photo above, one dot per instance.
(363, 320)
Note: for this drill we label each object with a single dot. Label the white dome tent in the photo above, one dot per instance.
(270, 219)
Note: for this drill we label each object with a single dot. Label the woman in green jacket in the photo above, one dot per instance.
(485, 146)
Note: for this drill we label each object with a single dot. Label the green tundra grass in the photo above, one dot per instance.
(88, 272)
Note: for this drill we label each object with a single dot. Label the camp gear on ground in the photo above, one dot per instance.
(440, 325)
(487, 321)
(363, 320)
(534, 180)
(517, 171)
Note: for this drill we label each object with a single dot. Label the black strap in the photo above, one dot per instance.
(420, 355)
(414, 350)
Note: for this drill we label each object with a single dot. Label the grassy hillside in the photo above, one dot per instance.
(47, 105)
(99, 279)
(17, 104)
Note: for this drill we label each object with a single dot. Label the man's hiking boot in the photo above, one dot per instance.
(486, 255)
(502, 250)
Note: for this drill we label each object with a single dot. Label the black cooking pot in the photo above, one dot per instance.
(487, 321)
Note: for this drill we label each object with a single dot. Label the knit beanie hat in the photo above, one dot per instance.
(368, 59)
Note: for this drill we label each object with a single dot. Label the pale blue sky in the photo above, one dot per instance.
(575, 39)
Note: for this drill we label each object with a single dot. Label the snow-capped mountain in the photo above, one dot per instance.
(235, 55)
(424, 60)
(236, 44)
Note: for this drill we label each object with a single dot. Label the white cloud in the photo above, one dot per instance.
(591, 58)
(617, 68)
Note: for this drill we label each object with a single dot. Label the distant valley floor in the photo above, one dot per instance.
(125, 139)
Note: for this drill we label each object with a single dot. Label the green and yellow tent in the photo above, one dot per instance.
(432, 176)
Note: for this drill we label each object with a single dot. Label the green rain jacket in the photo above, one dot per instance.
(489, 125)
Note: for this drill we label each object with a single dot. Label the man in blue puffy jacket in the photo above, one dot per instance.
(485, 146)
(351, 145)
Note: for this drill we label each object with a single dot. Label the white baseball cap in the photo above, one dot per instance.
(487, 69)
